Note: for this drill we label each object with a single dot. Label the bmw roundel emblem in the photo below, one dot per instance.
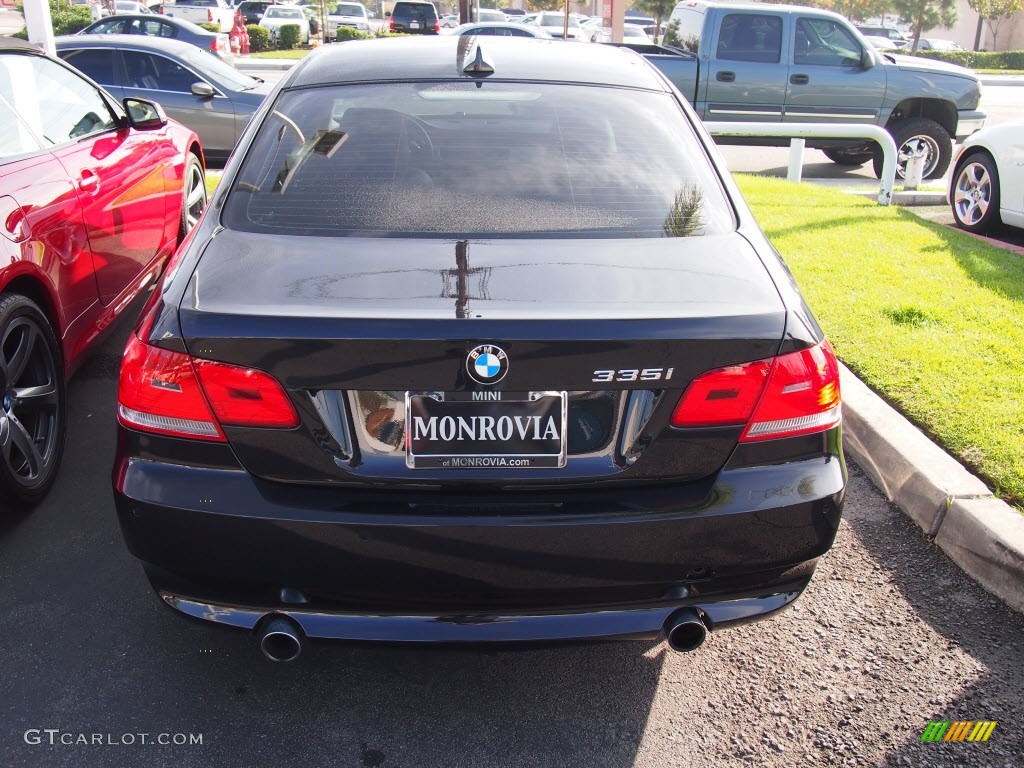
(487, 364)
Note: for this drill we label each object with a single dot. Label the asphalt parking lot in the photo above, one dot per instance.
(889, 636)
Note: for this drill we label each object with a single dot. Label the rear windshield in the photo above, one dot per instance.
(421, 11)
(349, 10)
(456, 160)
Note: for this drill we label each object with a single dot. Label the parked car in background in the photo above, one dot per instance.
(890, 33)
(253, 10)
(352, 15)
(500, 29)
(937, 44)
(451, 21)
(167, 27)
(488, 14)
(414, 17)
(128, 6)
(95, 195)
(631, 33)
(986, 188)
(202, 12)
(213, 99)
(404, 387)
(881, 43)
(554, 24)
(277, 16)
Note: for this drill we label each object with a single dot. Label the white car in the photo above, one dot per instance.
(881, 43)
(347, 15)
(276, 16)
(631, 33)
(500, 29)
(986, 187)
(554, 23)
(451, 21)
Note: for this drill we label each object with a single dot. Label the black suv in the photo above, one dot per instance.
(253, 10)
(415, 18)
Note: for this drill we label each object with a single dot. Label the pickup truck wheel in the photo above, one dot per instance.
(33, 405)
(910, 136)
(976, 194)
(851, 157)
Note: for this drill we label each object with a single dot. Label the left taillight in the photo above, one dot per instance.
(171, 393)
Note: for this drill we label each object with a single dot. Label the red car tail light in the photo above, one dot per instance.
(243, 397)
(158, 392)
(170, 393)
(722, 397)
(801, 396)
(209, 15)
(792, 394)
(391, 25)
(437, 26)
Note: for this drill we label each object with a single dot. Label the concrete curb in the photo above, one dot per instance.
(247, 64)
(982, 534)
(908, 199)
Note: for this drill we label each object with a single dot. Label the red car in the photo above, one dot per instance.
(94, 198)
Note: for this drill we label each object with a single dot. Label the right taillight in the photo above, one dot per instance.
(170, 393)
(800, 397)
(391, 24)
(792, 394)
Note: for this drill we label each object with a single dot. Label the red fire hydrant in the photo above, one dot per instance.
(239, 35)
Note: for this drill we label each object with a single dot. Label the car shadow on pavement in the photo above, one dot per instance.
(978, 639)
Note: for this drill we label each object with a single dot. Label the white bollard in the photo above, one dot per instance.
(796, 159)
(915, 169)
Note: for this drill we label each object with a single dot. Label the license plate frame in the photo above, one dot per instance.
(529, 416)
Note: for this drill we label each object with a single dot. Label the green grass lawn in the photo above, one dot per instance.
(1000, 71)
(927, 316)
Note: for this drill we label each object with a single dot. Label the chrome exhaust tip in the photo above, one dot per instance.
(281, 638)
(685, 631)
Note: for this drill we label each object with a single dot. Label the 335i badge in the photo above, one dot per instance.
(398, 387)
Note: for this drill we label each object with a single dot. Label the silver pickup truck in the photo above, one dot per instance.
(777, 63)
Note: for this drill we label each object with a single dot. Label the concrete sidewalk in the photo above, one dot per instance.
(250, 64)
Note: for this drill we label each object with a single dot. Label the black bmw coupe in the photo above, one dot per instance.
(399, 387)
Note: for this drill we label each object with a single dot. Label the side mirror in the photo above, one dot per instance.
(205, 90)
(387, 14)
(144, 115)
(867, 61)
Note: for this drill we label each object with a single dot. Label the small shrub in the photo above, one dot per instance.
(259, 38)
(349, 33)
(978, 59)
(66, 19)
(209, 26)
(289, 36)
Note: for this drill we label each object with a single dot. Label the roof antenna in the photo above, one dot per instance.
(478, 67)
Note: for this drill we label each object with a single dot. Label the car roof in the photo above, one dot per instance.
(137, 42)
(445, 56)
(16, 44)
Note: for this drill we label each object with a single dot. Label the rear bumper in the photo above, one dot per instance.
(482, 627)
(223, 546)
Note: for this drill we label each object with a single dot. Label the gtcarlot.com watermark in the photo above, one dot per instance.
(57, 737)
